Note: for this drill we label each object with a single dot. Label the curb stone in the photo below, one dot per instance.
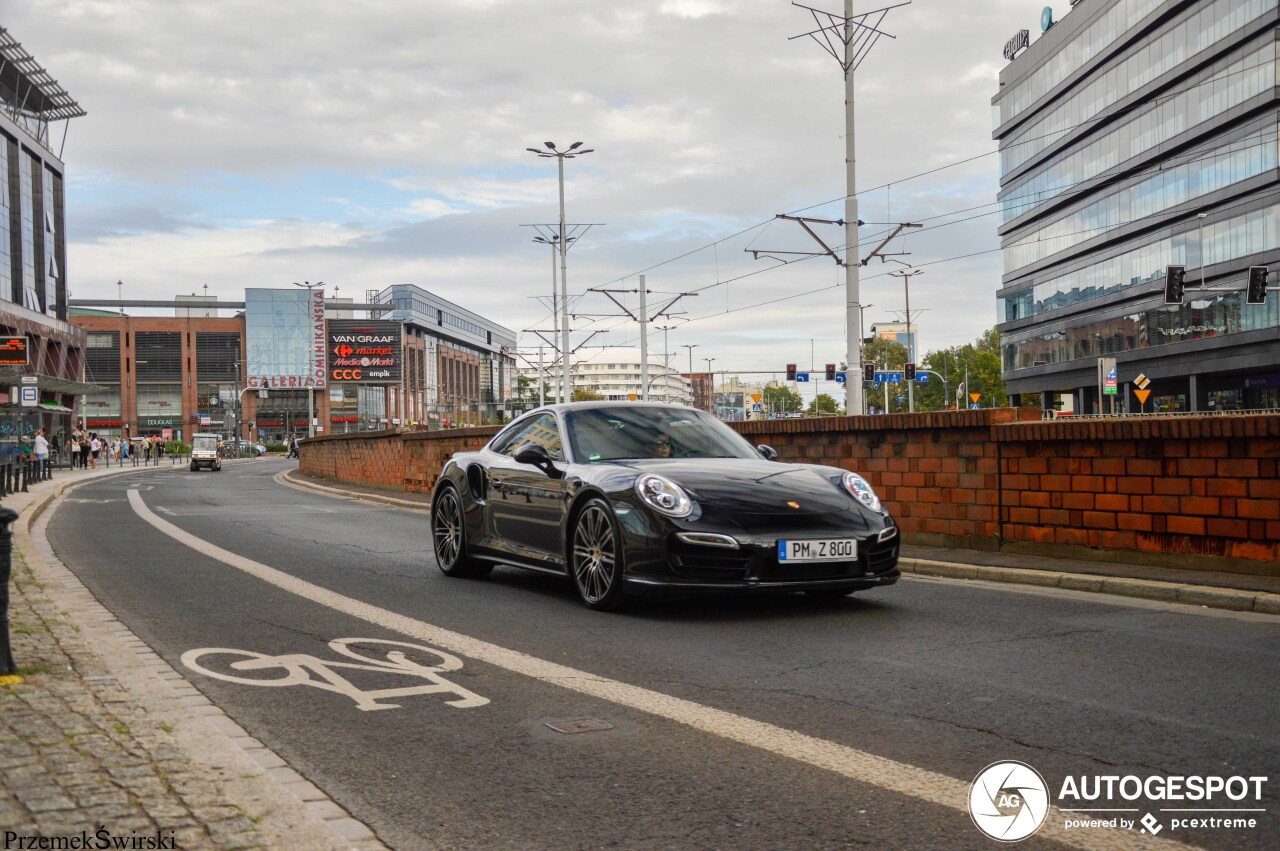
(1147, 589)
(295, 811)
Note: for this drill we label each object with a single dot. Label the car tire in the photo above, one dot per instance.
(449, 537)
(195, 468)
(595, 557)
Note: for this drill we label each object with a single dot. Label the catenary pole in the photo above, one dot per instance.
(644, 342)
(853, 343)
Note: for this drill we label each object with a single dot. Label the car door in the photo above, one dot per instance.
(525, 504)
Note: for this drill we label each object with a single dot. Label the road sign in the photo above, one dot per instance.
(1109, 383)
(888, 378)
(802, 377)
(840, 378)
(922, 378)
(755, 397)
(974, 397)
(30, 396)
(1142, 396)
(975, 406)
(755, 409)
(1142, 381)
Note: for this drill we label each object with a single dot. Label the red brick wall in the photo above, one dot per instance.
(1169, 490)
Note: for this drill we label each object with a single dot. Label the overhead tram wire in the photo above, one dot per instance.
(1214, 79)
(1085, 123)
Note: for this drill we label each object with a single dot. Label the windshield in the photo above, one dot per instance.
(613, 434)
(204, 443)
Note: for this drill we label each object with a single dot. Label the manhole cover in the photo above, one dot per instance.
(581, 725)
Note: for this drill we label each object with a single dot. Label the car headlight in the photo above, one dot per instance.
(663, 495)
(860, 490)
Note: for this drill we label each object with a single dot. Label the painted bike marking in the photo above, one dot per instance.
(304, 670)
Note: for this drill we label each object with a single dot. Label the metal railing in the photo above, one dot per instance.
(1121, 415)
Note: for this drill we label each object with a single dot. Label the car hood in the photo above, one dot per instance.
(755, 487)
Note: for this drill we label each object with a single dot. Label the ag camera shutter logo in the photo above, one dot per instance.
(1008, 801)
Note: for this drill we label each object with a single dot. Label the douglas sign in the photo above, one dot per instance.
(364, 351)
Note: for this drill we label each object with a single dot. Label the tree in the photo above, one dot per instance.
(779, 399)
(586, 394)
(823, 404)
(526, 393)
(885, 354)
(982, 358)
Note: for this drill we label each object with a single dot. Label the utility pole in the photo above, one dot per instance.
(644, 342)
(541, 380)
(666, 363)
(856, 35)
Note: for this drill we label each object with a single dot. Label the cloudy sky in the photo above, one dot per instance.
(249, 143)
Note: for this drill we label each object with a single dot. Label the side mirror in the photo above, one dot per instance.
(535, 455)
(767, 452)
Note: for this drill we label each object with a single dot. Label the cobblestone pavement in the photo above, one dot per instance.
(101, 734)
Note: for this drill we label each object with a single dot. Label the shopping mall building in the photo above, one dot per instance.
(284, 355)
(1135, 135)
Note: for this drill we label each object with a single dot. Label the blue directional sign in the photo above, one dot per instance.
(802, 377)
(840, 378)
(973, 406)
(922, 378)
(755, 408)
(888, 378)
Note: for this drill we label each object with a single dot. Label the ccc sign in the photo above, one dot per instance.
(346, 374)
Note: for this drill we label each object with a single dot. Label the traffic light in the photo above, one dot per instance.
(1257, 291)
(831, 372)
(791, 372)
(909, 373)
(1173, 284)
(869, 373)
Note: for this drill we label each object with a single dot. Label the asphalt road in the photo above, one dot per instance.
(942, 676)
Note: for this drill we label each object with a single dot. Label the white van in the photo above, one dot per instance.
(204, 452)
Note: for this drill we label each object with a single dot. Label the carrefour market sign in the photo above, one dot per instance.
(365, 351)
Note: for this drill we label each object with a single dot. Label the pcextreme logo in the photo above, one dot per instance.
(1008, 801)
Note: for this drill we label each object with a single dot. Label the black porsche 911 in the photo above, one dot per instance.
(628, 497)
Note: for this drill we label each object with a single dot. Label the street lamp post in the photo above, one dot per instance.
(711, 403)
(569, 153)
(311, 348)
(120, 295)
(906, 275)
(690, 347)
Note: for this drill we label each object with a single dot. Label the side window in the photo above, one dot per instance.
(541, 430)
(506, 442)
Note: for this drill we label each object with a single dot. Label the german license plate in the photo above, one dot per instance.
(830, 549)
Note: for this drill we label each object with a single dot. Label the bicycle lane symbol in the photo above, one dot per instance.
(300, 669)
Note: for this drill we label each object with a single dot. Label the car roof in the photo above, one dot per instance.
(566, 407)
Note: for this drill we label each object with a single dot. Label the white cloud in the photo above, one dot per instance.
(706, 120)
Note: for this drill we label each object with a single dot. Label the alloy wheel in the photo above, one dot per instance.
(447, 528)
(594, 555)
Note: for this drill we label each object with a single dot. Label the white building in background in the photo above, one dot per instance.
(614, 373)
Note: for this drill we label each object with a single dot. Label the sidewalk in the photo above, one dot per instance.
(1213, 589)
(101, 738)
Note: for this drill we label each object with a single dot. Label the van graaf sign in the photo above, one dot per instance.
(365, 351)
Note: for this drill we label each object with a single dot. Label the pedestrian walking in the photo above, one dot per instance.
(41, 449)
(146, 450)
(55, 449)
(95, 446)
(84, 450)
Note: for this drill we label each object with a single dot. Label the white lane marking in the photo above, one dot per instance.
(299, 667)
(840, 759)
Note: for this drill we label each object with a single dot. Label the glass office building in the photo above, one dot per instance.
(1135, 135)
(33, 252)
(459, 366)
